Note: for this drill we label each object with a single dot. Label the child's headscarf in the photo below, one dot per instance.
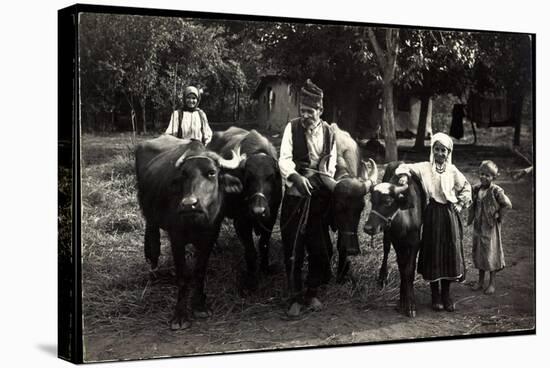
(444, 140)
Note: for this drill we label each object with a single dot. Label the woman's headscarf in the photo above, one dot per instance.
(194, 91)
(444, 140)
(446, 177)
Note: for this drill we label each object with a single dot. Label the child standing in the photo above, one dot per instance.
(489, 205)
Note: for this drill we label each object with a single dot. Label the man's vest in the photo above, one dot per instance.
(300, 152)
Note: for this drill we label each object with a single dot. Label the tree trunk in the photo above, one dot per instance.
(388, 123)
(236, 106)
(222, 104)
(133, 120)
(422, 122)
(155, 119)
(112, 127)
(387, 62)
(144, 117)
(517, 110)
(348, 101)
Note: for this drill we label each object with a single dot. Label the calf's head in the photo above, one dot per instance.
(386, 200)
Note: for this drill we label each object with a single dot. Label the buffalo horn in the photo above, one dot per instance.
(400, 188)
(233, 163)
(180, 160)
(369, 174)
(327, 180)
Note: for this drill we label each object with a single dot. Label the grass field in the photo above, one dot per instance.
(127, 308)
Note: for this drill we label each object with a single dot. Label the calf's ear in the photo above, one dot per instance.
(230, 183)
(404, 201)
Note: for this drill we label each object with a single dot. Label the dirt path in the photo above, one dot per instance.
(511, 308)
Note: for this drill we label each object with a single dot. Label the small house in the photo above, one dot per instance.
(278, 102)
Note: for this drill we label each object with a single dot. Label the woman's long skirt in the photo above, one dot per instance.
(441, 253)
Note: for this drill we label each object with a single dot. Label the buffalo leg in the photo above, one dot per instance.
(343, 262)
(152, 244)
(405, 261)
(180, 320)
(383, 274)
(410, 308)
(198, 299)
(401, 264)
(263, 245)
(244, 232)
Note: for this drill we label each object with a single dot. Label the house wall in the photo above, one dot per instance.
(408, 120)
(284, 105)
(404, 120)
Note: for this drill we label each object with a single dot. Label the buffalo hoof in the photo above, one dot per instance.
(179, 323)
(295, 310)
(153, 263)
(449, 306)
(201, 314)
(343, 272)
(438, 307)
(382, 280)
(315, 304)
(326, 276)
(407, 310)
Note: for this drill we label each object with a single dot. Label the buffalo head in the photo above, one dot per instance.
(261, 179)
(200, 182)
(348, 201)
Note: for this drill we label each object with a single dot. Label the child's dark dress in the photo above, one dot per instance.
(487, 251)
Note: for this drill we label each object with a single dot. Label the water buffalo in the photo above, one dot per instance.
(397, 210)
(181, 189)
(255, 208)
(353, 180)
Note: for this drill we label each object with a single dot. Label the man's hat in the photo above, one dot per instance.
(311, 95)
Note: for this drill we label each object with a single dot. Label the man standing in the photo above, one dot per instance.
(305, 210)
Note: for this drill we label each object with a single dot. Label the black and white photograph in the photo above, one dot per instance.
(239, 183)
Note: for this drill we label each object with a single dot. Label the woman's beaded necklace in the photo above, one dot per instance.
(440, 169)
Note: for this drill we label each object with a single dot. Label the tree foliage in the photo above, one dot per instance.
(141, 64)
(146, 61)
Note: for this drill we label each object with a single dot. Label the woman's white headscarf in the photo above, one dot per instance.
(191, 90)
(447, 176)
(444, 140)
